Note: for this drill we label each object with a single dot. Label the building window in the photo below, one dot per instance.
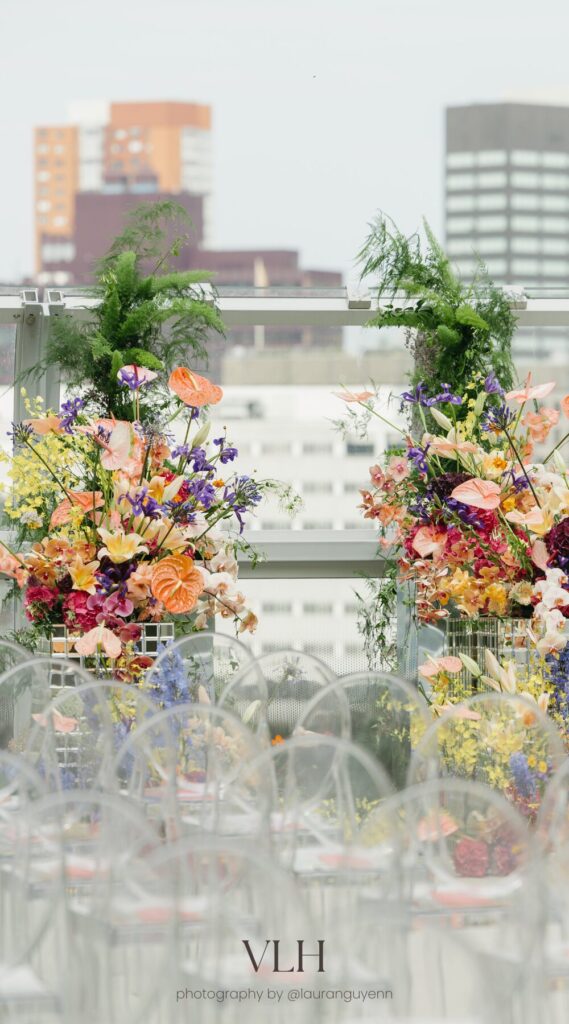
(275, 448)
(525, 158)
(318, 608)
(351, 609)
(525, 179)
(357, 524)
(317, 487)
(526, 201)
(526, 266)
(277, 608)
(273, 524)
(459, 204)
(558, 181)
(460, 225)
(556, 202)
(351, 488)
(555, 246)
(58, 252)
(459, 160)
(44, 206)
(456, 182)
(318, 524)
(555, 225)
(555, 268)
(492, 245)
(491, 157)
(317, 448)
(525, 222)
(491, 201)
(521, 244)
(319, 650)
(459, 246)
(492, 179)
(555, 159)
(492, 223)
(495, 267)
(359, 448)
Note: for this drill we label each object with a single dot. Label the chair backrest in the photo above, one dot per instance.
(204, 659)
(379, 711)
(292, 678)
(26, 688)
(246, 696)
(192, 764)
(500, 739)
(75, 738)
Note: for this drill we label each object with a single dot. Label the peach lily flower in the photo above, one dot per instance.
(83, 574)
(45, 425)
(527, 392)
(483, 494)
(99, 637)
(87, 501)
(429, 541)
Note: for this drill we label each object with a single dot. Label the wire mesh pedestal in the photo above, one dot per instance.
(61, 644)
(507, 639)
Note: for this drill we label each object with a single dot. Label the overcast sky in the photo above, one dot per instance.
(324, 110)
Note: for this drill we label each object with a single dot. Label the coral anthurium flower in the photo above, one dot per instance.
(121, 546)
(193, 389)
(99, 637)
(87, 501)
(83, 574)
(527, 392)
(353, 396)
(565, 405)
(45, 425)
(484, 494)
(436, 665)
(60, 722)
(177, 583)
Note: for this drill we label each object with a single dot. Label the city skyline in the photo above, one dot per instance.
(305, 153)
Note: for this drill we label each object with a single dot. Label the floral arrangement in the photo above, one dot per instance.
(118, 524)
(480, 528)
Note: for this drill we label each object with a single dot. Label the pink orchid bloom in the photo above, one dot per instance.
(429, 541)
(100, 636)
(527, 392)
(9, 564)
(60, 722)
(353, 396)
(483, 494)
(436, 665)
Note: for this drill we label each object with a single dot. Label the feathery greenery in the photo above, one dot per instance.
(454, 328)
(157, 318)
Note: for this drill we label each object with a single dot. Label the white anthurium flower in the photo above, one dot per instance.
(442, 420)
(559, 461)
(510, 682)
(493, 667)
(470, 665)
(480, 403)
(202, 434)
(493, 683)
(251, 711)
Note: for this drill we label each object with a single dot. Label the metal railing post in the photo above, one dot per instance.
(32, 331)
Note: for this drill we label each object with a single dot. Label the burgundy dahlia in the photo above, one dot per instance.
(557, 544)
(471, 858)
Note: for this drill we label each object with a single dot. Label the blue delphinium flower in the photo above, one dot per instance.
(169, 679)
(418, 456)
(524, 778)
(69, 412)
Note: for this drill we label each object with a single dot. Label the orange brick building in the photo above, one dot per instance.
(155, 147)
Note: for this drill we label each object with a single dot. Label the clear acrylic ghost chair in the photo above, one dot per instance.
(26, 688)
(77, 847)
(246, 696)
(12, 654)
(292, 679)
(74, 740)
(552, 830)
(502, 740)
(386, 716)
(221, 892)
(205, 659)
(468, 862)
(191, 766)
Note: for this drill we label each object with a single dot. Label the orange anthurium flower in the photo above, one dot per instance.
(85, 500)
(436, 665)
(193, 389)
(484, 494)
(45, 425)
(177, 583)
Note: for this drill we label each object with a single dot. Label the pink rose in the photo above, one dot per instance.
(471, 858)
(77, 611)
